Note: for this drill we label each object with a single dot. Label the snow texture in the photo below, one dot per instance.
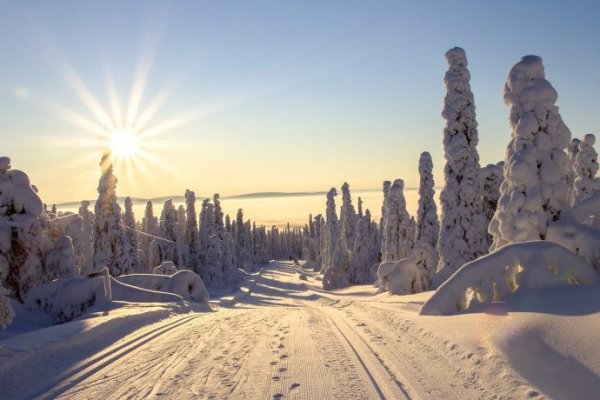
(585, 168)
(516, 267)
(185, 283)
(397, 233)
(534, 191)
(69, 297)
(404, 276)
(463, 224)
(579, 230)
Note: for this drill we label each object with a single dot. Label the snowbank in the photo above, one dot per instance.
(528, 265)
(133, 294)
(165, 268)
(402, 277)
(186, 284)
(579, 230)
(67, 298)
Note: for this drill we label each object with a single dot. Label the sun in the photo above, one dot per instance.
(124, 144)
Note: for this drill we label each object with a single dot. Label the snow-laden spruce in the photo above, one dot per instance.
(347, 217)
(427, 226)
(332, 232)
(131, 238)
(585, 168)
(361, 264)
(150, 227)
(191, 231)
(463, 225)
(87, 243)
(534, 191)
(491, 177)
(109, 235)
(572, 151)
(396, 241)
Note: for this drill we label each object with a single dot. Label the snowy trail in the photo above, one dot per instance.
(286, 340)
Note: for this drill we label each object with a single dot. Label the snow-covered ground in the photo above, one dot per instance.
(284, 337)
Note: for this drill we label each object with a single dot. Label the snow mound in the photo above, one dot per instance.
(402, 277)
(67, 298)
(579, 230)
(520, 266)
(165, 268)
(133, 294)
(185, 283)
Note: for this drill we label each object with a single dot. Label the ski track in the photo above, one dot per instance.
(282, 342)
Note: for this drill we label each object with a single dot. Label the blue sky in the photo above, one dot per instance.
(290, 96)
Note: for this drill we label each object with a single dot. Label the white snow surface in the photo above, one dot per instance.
(287, 338)
(515, 267)
(184, 283)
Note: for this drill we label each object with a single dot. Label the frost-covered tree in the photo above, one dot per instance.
(191, 231)
(397, 232)
(109, 235)
(6, 311)
(337, 273)
(332, 232)
(360, 207)
(427, 225)
(347, 216)
(534, 191)
(585, 169)
(150, 228)
(131, 238)
(361, 271)
(463, 226)
(219, 225)
(87, 240)
(572, 151)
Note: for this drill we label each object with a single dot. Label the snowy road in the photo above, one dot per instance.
(285, 340)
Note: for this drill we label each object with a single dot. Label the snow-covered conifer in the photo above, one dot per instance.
(131, 238)
(87, 242)
(347, 216)
(534, 191)
(191, 231)
(332, 232)
(219, 225)
(397, 238)
(6, 311)
(585, 168)
(109, 236)
(572, 151)
(361, 264)
(150, 227)
(463, 226)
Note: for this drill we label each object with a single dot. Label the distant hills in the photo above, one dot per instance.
(181, 199)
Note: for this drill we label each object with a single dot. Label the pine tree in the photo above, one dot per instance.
(87, 242)
(332, 232)
(347, 216)
(427, 224)
(191, 231)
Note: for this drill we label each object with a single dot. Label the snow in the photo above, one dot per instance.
(516, 267)
(287, 338)
(184, 283)
(405, 276)
(165, 268)
(67, 298)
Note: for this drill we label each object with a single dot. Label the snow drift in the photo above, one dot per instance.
(185, 283)
(520, 266)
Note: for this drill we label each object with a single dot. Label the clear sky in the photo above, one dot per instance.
(249, 96)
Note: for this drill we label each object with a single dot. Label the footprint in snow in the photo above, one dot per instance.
(294, 385)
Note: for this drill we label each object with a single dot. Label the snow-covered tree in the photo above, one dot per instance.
(150, 228)
(337, 274)
(585, 168)
(463, 226)
(347, 216)
(131, 238)
(332, 232)
(87, 240)
(427, 225)
(534, 191)
(572, 151)
(361, 271)
(191, 231)
(397, 232)
(219, 225)
(109, 236)
(490, 178)
(6, 311)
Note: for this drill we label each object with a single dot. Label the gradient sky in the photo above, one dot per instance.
(274, 95)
